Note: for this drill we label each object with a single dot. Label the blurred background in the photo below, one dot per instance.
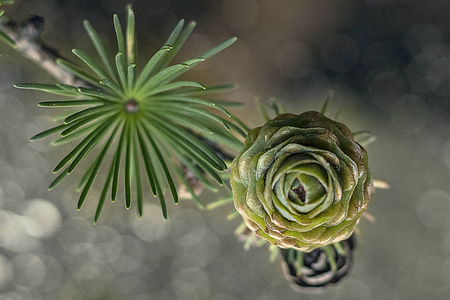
(388, 62)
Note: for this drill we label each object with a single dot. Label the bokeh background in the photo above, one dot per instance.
(388, 62)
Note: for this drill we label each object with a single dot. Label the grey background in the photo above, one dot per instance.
(389, 64)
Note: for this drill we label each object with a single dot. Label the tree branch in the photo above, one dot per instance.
(26, 36)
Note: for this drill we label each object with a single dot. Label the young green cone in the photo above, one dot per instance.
(301, 181)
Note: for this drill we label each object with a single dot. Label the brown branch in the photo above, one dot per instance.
(26, 36)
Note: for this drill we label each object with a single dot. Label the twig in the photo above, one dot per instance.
(26, 36)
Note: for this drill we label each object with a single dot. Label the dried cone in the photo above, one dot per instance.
(312, 272)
